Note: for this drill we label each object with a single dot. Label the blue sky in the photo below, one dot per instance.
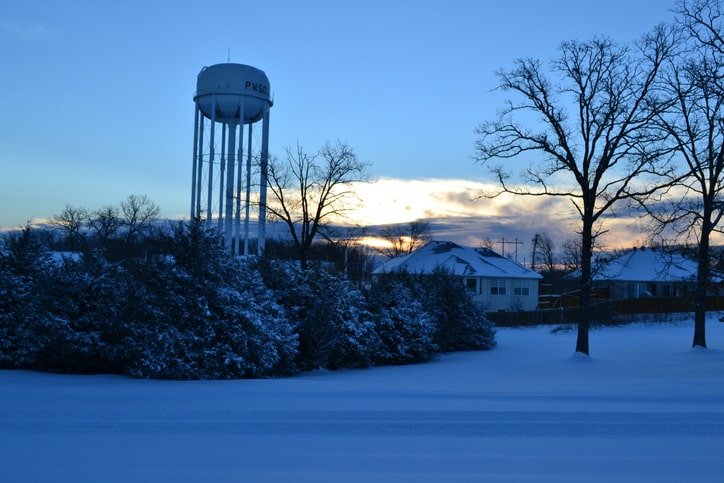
(97, 96)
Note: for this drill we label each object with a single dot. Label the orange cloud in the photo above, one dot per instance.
(456, 209)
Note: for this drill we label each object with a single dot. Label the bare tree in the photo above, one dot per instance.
(594, 142)
(71, 221)
(419, 234)
(695, 128)
(139, 213)
(404, 238)
(309, 189)
(571, 254)
(105, 222)
(488, 243)
(543, 252)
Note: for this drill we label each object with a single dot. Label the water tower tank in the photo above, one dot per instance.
(229, 83)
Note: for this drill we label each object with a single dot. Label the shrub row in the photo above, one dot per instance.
(188, 311)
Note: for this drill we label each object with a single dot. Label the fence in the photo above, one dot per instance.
(603, 313)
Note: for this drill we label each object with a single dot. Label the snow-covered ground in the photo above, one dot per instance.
(645, 407)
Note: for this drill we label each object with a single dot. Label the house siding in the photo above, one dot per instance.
(489, 293)
(618, 290)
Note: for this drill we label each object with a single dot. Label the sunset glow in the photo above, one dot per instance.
(457, 211)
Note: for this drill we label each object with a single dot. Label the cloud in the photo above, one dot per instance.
(391, 200)
(456, 211)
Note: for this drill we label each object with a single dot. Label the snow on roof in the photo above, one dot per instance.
(645, 265)
(457, 260)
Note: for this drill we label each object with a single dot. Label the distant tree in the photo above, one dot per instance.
(546, 252)
(596, 154)
(138, 214)
(351, 257)
(694, 127)
(105, 222)
(404, 238)
(309, 189)
(571, 254)
(70, 221)
(360, 263)
(488, 243)
(543, 252)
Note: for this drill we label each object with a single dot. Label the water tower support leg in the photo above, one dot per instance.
(200, 167)
(212, 151)
(222, 170)
(247, 201)
(263, 162)
(192, 212)
(230, 184)
(240, 158)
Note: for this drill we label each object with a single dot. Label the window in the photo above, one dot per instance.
(497, 287)
(471, 284)
(633, 290)
(520, 287)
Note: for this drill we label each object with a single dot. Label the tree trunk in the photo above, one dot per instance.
(702, 282)
(584, 304)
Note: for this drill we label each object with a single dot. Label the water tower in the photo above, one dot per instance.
(228, 98)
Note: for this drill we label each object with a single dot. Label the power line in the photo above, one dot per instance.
(515, 242)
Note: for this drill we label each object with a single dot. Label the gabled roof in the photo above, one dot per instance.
(457, 260)
(645, 265)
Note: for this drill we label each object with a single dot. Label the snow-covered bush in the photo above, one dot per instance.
(406, 330)
(458, 322)
(24, 266)
(205, 315)
(69, 334)
(329, 315)
(186, 310)
(461, 323)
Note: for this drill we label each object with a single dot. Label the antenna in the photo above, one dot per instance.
(228, 55)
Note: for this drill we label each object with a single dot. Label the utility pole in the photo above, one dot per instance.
(515, 242)
(536, 240)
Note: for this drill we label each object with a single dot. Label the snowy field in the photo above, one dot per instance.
(645, 407)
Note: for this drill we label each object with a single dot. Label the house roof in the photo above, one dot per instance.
(457, 260)
(645, 265)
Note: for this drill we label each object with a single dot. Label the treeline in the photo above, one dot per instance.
(181, 308)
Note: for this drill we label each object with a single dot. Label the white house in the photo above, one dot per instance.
(495, 281)
(645, 272)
